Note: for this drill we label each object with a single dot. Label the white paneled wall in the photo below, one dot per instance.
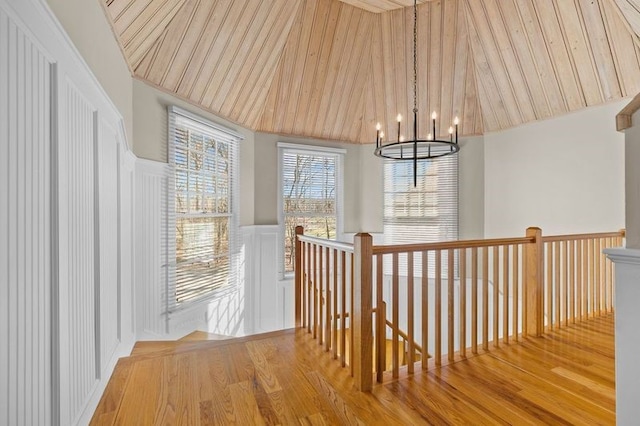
(66, 226)
(25, 244)
(151, 270)
(76, 227)
(108, 281)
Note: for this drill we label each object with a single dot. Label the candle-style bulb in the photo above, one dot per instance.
(401, 139)
(456, 121)
(378, 127)
(450, 130)
(434, 115)
(429, 137)
(381, 135)
(399, 118)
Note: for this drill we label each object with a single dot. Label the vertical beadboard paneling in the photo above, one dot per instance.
(151, 279)
(25, 253)
(127, 245)
(76, 215)
(108, 217)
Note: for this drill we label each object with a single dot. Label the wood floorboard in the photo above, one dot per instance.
(564, 377)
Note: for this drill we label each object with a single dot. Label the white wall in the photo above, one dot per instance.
(564, 175)
(471, 188)
(632, 182)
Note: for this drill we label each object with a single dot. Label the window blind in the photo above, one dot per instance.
(203, 223)
(309, 196)
(422, 214)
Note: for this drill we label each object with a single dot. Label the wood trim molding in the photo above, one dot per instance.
(623, 119)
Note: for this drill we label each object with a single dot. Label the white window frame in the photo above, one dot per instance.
(339, 154)
(233, 139)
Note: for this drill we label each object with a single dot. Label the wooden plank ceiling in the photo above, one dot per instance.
(331, 69)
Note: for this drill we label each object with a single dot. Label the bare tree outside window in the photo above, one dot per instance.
(203, 216)
(309, 197)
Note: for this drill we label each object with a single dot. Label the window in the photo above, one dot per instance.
(425, 213)
(205, 224)
(310, 185)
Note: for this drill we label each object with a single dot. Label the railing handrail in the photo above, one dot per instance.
(324, 242)
(446, 245)
(575, 237)
(404, 336)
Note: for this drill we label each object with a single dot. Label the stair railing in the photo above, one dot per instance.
(456, 299)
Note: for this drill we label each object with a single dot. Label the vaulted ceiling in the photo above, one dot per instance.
(331, 69)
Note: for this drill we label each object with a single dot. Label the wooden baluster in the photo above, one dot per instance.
(352, 270)
(315, 291)
(557, 287)
(320, 304)
(425, 310)
(572, 282)
(496, 296)
(395, 315)
(450, 307)
(608, 264)
(298, 276)
(585, 279)
(381, 317)
(579, 283)
(485, 298)
(362, 348)
(550, 297)
(309, 286)
(505, 293)
(592, 278)
(565, 284)
(438, 309)
(334, 341)
(599, 272)
(343, 309)
(516, 292)
(474, 300)
(410, 313)
(328, 298)
(463, 302)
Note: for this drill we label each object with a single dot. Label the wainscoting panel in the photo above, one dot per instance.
(107, 215)
(151, 259)
(25, 226)
(126, 301)
(77, 254)
(267, 299)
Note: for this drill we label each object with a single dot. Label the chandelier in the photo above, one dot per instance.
(414, 149)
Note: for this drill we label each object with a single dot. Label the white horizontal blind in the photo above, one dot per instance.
(309, 196)
(205, 224)
(425, 213)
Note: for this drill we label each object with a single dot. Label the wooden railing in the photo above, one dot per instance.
(444, 300)
(578, 277)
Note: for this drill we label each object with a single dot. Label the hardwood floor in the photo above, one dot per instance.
(565, 377)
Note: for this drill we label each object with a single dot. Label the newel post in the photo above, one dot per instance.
(534, 291)
(363, 312)
(298, 276)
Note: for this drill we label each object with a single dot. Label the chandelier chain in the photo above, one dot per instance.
(415, 56)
